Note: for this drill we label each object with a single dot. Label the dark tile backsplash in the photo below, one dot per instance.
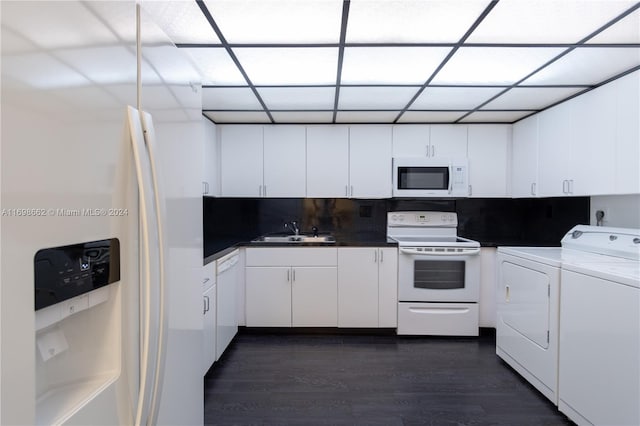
(537, 221)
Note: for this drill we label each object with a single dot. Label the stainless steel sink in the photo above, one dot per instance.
(326, 239)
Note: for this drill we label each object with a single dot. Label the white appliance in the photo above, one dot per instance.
(438, 274)
(529, 286)
(430, 177)
(79, 166)
(599, 365)
(226, 290)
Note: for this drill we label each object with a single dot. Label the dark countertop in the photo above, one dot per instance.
(223, 248)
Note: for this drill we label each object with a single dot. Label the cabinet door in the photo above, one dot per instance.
(448, 140)
(370, 161)
(593, 149)
(327, 161)
(388, 287)
(284, 161)
(411, 140)
(241, 162)
(627, 134)
(209, 328)
(210, 160)
(489, 160)
(358, 287)
(314, 296)
(268, 296)
(554, 150)
(524, 158)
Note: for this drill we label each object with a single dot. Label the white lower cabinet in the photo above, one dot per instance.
(288, 287)
(209, 315)
(367, 287)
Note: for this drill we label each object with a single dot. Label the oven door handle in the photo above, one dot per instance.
(466, 252)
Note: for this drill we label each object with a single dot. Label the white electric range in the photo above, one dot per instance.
(438, 275)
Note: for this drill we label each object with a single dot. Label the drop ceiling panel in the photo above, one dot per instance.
(278, 21)
(532, 97)
(411, 20)
(430, 116)
(454, 97)
(303, 117)
(366, 116)
(59, 24)
(290, 66)
(229, 98)
(540, 21)
(298, 97)
(626, 30)
(391, 65)
(238, 116)
(495, 116)
(587, 65)
(182, 21)
(493, 65)
(216, 66)
(363, 98)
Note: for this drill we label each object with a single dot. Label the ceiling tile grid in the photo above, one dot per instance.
(400, 61)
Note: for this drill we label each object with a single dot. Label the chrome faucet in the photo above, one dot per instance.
(293, 226)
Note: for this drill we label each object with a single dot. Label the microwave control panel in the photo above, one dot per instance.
(64, 272)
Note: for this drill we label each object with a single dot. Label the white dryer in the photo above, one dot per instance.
(528, 305)
(599, 364)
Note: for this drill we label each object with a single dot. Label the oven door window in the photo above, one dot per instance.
(431, 178)
(438, 274)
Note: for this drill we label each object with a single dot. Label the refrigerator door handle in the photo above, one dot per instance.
(151, 141)
(139, 152)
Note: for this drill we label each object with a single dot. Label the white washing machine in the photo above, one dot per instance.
(529, 282)
(599, 366)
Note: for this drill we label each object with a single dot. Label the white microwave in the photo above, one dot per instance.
(430, 177)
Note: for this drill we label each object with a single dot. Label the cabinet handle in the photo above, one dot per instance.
(288, 275)
(352, 190)
(433, 150)
(571, 186)
(565, 183)
(346, 190)
(507, 293)
(381, 256)
(375, 256)
(206, 305)
(533, 188)
(294, 275)
(470, 190)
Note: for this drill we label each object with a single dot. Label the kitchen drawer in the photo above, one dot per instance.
(292, 256)
(447, 319)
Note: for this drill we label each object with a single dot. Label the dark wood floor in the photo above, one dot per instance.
(360, 379)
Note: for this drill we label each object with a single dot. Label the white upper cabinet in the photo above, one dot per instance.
(411, 140)
(328, 161)
(284, 161)
(242, 161)
(448, 140)
(210, 160)
(489, 160)
(524, 158)
(594, 139)
(627, 173)
(370, 161)
(555, 169)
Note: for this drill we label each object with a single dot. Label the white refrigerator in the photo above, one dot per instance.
(101, 141)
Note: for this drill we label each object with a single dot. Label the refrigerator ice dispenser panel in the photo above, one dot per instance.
(69, 271)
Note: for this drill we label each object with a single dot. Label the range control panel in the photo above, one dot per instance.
(426, 219)
(69, 271)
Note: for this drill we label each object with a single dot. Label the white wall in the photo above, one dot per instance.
(621, 211)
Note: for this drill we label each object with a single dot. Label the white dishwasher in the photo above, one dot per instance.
(226, 318)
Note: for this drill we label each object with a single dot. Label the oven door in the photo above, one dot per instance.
(438, 277)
